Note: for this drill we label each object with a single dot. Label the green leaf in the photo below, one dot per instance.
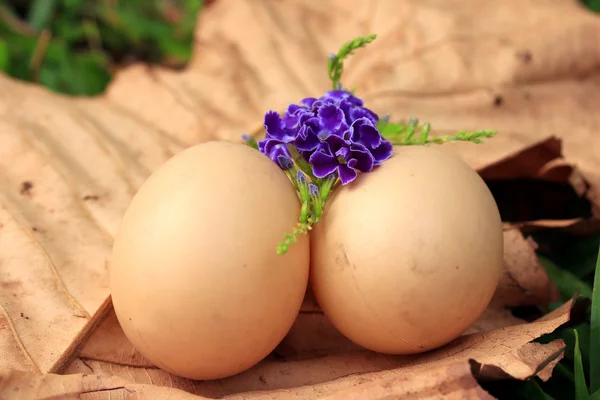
(581, 390)
(593, 5)
(531, 390)
(4, 55)
(595, 332)
(40, 13)
(564, 372)
(583, 333)
(595, 396)
(178, 53)
(401, 134)
(567, 282)
(574, 253)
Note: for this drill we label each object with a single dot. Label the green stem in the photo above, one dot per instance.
(301, 162)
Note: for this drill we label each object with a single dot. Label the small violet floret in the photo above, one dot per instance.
(313, 190)
(301, 178)
(335, 133)
(285, 162)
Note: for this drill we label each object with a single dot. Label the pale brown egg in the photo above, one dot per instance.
(408, 256)
(195, 279)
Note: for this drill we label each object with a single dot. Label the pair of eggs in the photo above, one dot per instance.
(404, 260)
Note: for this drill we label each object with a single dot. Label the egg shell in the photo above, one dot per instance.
(408, 256)
(195, 279)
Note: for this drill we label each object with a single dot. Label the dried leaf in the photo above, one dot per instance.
(315, 360)
(15, 356)
(453, 381)
(28, 386)
(564, 190)
(524, 280)
(529, 162)
(68, 167)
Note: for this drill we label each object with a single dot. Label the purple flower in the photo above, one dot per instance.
(341, 156)
(364, 132)
(278, 136)
(276, 151)
(335, 133)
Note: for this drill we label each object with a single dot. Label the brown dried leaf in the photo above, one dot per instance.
(544, 163)
(68, 167)
(524, 280)
(454, 381)
(315, 360)
(28, 386)
(15, 356)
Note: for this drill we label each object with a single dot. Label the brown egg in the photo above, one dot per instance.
(196, 282)
(408, 256)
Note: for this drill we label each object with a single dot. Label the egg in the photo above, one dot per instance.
(408, 256)
(196, 282)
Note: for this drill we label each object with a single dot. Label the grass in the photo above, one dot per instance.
(74, 46)
(595, 335)
(577, 375)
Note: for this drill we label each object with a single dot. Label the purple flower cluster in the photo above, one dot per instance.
(334, 133)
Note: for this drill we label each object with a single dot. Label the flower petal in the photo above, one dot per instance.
(261, 145)
(308, 101)
(266, 146)
(346, 174)
(365, 133)
(343, 152)
(346, 108)
(273, 124)
(382, 152)
(362, 160)
(362, 112)
(335, 143)
(306, 154)
(323, 164)
(344, 95)
(306, 140)
(275, 128)
(336, 94)
(330, 117)
(279, 150)
(292, 115)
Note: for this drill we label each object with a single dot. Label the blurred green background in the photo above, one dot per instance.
(74, 46)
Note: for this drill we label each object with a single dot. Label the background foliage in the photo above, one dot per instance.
(73, 46)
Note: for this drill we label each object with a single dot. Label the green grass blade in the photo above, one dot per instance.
(581, 391)
(567, 282)
(531, 390)
(595, 333)
(595, 396)
(564, 372)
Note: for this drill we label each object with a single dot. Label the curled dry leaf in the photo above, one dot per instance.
(69, 167)
(314, 360)
(537, 188)
(524, 280)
